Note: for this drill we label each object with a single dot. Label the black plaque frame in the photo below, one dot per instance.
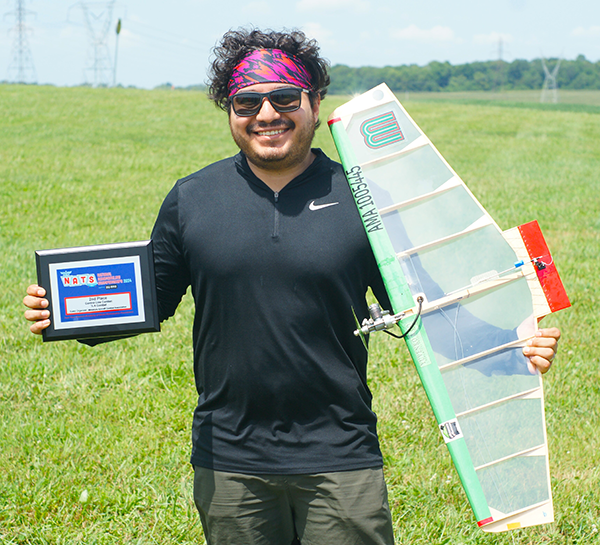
(102, 323)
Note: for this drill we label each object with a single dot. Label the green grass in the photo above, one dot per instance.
(568, 100)
(530, 97)
(95, 442)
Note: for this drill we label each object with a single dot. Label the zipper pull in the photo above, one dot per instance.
(276, 196)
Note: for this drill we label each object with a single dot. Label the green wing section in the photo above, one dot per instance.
(434, 242)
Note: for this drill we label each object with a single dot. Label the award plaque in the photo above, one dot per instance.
(99, 291)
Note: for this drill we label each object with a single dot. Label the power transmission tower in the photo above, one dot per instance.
(98, 19)
(550, 85)
(499, 71)
(21, 68)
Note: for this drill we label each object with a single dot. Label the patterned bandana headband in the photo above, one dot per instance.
(269, 66)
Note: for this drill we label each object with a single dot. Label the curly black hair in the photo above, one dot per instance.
(236, 44)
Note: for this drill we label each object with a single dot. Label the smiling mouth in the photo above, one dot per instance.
(271, 133)
(276, 129)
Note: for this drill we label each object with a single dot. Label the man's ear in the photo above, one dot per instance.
(316, 105)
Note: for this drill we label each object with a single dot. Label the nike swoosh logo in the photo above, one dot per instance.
(313, 206)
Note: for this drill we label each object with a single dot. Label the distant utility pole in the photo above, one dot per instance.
(499, 74)
(21, 68)
(118, 31)
(98, 19)
(550, 84)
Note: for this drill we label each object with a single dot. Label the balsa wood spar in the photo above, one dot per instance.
(481, 299)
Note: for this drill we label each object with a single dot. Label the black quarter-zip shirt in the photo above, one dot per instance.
(281, 378)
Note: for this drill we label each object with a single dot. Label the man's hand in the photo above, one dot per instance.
(542, 349)
(37, 309)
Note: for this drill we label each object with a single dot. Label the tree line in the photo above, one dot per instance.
(475, 76)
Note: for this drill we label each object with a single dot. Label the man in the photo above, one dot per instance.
(284, 439)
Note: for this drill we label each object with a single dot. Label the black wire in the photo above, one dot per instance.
(420, 301)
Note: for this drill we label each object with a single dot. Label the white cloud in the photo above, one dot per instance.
(258, 6)
(320, 33)
(127, 38)
(591, 32)
(70, 31)
(518, 4)
(492, 38)
(435, 34)
(357, 6)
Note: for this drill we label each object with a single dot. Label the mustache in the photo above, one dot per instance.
(274, 125)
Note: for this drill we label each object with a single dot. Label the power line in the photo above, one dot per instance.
(21, 68)
(168, 37)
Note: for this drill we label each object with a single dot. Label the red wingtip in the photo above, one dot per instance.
(333, 120)
(537, 249)
(483, 522)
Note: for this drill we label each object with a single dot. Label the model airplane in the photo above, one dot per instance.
(466, 296)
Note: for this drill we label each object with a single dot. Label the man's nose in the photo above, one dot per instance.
(267, 112)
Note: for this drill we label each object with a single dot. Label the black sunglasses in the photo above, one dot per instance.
(283, 101)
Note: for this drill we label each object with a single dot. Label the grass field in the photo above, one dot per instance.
(568, 99)
(94, 442)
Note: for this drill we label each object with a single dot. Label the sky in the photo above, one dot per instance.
(170, 42)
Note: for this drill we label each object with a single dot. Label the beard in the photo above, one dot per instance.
(276, 158)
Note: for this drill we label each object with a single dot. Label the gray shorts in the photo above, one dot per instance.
(346, 507)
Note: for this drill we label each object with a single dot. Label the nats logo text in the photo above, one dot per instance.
(73, 281)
